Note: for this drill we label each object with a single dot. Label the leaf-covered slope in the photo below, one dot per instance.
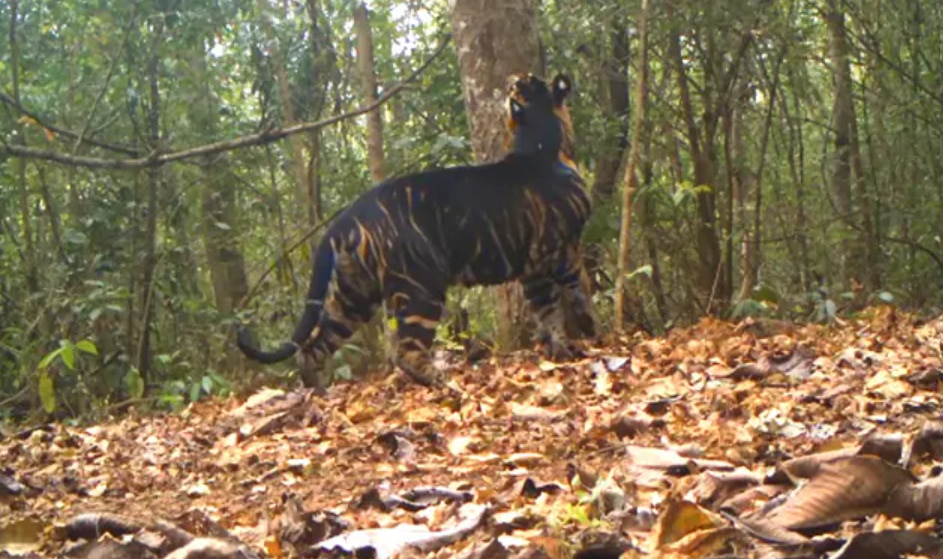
(673, 445)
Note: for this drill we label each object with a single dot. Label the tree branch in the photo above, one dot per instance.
(64, 132)
(156, 158)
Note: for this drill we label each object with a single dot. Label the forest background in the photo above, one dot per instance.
(778, 158)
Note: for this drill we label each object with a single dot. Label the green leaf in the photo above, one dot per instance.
(194, 392)
(87, 346)
(134, 383)
(343, 372)
(207, 383)
(645, 270)
(766, 293)
(886, 296)
(48, 358)
(73, 237)
(68, 354)
(47, 392)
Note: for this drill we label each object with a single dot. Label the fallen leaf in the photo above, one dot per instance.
(843, 489)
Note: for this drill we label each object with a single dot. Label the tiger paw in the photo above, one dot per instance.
(581, 325)
(426, 376)
(562, 352)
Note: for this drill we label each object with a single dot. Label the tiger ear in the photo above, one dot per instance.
(561, 89)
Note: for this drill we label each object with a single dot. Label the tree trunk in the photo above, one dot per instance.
(368, 83)
(616, 85)
(631, 179)
(299, 167)
(710, 282)
(751, 253)
(494, 39)
(852, 260)
(872, 251)
(324, 64)
(154, 177)
(220, 221)
(614, 88)
(372, 334)
(29, 252)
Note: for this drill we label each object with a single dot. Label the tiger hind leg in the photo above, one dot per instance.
(345, 311)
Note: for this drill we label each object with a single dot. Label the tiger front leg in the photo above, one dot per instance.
(571, 275)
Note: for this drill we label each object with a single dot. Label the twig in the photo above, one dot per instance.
(308, 234)
(16, 397)
(64, 132)
(156, 159)
(105, 83)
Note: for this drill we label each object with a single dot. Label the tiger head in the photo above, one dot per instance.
(538, 118)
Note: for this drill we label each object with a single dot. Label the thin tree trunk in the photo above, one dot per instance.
(221, 232)
(373, 333)
(368, 83)
(630, 179)
(797, 174)
(708, 244)
(751, 238)
(616, 84)
(19, 165)
(737, 175)
(324, 65)
(53, 214)
(154, 178)
(872, 250)
(614, 88)
(303, 191)
(842, 116)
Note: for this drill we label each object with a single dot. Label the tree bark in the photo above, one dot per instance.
(614, 89)
(368, 82)
(750, 246)
(221, 232)
(853, 260)
(324, 63)
(372, 334)
(299, 167)
(708, 244)
(616, 85)
(153, 183)
(630, 179)
(494, 39)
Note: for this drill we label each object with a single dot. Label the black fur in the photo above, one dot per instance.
(409, 238)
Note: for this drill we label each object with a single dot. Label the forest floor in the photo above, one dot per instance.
(757, 439)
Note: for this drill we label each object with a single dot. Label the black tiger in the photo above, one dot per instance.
(409, 238)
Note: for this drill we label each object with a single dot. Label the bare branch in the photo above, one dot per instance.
(156, 159)
(64, 132)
